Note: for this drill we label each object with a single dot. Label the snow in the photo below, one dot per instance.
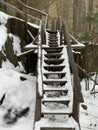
(70, 123)
(7, 64)
(89, 116)
(3, 35)
(30, 46)
(3, 18)
(3, 29)
(33, 25)
(17, 90)
(18, 96)
(78, 45)
(16, 43)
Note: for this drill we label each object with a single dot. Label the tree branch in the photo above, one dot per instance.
(84, 71)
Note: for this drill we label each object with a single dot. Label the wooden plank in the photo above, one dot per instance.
(54, 68)
(25, 53)
(52, 31)
(54, 61)
(55, 80)
(53, 45)
(56, 48)
(57, 128)
(56, 74)
(59, 112)
(58, 100)
(56, 89)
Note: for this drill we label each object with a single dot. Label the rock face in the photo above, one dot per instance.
(16, 39)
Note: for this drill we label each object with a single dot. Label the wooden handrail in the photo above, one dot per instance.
(39, 65)
(19, 11)
(33, 9)
(39, 90)
(77, 88)
(39, 70)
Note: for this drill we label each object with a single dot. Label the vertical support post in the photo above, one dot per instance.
(43, 35)
(39, 91)
(37, 106)
(59, 27)
(26, 26)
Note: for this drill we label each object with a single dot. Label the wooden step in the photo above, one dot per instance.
(57, 128)
(52, 31)
(54, 80)
(55, 89)
(53, 49)
(56, 74)
(54, 61)
(52, 37)
(50, 42)
(58, 100)
(49, 35)
(68, 124)
(53, 45)
(53, 55)
(55, 40)
(56, 112)
(54, 67)
(66, 111)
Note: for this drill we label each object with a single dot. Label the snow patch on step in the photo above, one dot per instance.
(45, 123)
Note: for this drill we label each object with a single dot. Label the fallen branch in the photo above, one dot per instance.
(94, 92)
(94, 83)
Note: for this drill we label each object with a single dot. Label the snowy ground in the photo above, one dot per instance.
(17, 109)
(89, 109)
(17, 94)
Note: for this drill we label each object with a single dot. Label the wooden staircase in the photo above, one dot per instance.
(57, 99)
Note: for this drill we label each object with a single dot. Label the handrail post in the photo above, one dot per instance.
(59, 27)
(43, 35)
(39, 90)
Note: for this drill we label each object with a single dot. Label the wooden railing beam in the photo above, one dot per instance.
(36, 10)
(18, 10)
(77, 88)
(31, 35)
